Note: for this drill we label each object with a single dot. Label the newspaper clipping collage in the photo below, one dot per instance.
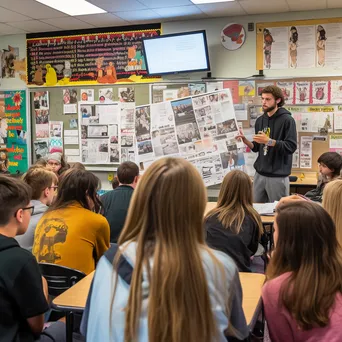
(201, 129)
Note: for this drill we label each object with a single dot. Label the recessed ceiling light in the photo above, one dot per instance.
(202, 2)
(73, 7)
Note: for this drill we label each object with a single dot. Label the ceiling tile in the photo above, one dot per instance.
(334, 3)
(264, 6)
(143, 15)
(31, 8)
(102, 20)
(7, 16)
(306, 5)
(165, 3)
(118, 5)
(6, 29)
(68, 23)
(33, 26)
(222, 9)
(174, 12)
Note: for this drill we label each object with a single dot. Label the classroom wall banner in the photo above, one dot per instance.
(15, 114)
(97, 56)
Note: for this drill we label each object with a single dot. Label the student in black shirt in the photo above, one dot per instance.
(23, 291)
(116, 202)
(234, 226)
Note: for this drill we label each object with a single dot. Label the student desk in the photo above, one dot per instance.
(74, 299)
(266, 220)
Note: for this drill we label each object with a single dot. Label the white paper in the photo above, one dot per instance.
(320, 92)
(306, 152)
(302, 92)
(338, 122)
(213, 86)
(108, 114)
(276, 44)
(87, 95)
(71, 140)
(71, 152)
(265, 208)
(336, 91)
(288, 91)
(329, 47)
(335, 141)
(74, 159)
(70, 133)
(70, 108)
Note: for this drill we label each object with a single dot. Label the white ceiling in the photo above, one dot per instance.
(26, 16)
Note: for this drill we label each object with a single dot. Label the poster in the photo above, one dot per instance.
(55, 136)
(303, 92)
(15, 114)
(87, 95)
(126, 94)
(336, 91)
(70, 101)
(275, 47)
(306, 152)
(338, 122)
(233, 86)
(41, 149)
(320, 92)
(288, 91)
(106, 95)
(302, 46)
(329, 47)
(335, 141)
(96, 56)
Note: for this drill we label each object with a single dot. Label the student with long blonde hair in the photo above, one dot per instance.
(303, 293)
(234, 226)
(332, 203)
(166, 284)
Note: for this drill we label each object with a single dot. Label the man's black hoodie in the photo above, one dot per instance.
(278, 160)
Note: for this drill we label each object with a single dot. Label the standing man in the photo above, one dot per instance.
(275, 141)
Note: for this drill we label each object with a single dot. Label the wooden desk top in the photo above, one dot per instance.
(264, 219)
(75, 298)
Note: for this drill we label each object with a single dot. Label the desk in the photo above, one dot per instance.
(75, 298)
(302, 186)
(265, 219)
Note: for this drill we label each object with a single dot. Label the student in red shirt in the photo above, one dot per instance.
(302, 296)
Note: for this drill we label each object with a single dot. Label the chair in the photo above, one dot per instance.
(59, 279)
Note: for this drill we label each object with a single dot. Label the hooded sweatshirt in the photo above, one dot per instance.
(26, 240)
(278, 160)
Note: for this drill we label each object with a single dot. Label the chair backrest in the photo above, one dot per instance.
(59, 278)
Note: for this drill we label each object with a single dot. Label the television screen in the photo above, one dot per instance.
(174, 53)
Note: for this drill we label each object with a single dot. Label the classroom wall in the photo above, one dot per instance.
(17, 41)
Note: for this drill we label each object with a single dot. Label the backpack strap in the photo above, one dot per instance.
(125, 269)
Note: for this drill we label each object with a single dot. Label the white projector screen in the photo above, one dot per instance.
(182, 52)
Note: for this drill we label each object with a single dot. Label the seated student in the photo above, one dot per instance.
(44, 185)
(56, 163)
(23, 291)
(168, 285)
(330, 164)
(70, 233)
(332, 203)
(116, 202)
(234, 226)
(302, 296)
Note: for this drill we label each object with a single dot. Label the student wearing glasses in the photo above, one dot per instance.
(43, 184)
(23, 291)
(56, 163)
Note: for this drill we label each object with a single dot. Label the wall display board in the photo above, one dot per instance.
(13, 131)
(88, 56)
(199, 128)
(313, 43)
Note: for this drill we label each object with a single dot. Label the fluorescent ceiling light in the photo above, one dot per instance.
(202, 2)
(73, 7)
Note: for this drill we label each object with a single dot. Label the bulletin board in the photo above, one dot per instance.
(321, 140)
(56, 111)
(265, 40)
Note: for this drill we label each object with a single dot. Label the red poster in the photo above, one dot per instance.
(234, 88)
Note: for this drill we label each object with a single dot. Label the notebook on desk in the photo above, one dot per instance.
(265, 209)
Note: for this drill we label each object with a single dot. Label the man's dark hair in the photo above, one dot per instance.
(332, 160)
(126, 172)
(14, 194)
(276, 92)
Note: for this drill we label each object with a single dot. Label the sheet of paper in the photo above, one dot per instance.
(72, 152)
(71, 140)
(74, 159)
(265, 208)
(70, 133)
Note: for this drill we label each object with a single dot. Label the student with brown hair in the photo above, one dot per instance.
(330, 165)
(23, 291)
(71, 233)
(234, 226)
(116, 202)
(168, 285)
(303, 293)
(44, 185)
